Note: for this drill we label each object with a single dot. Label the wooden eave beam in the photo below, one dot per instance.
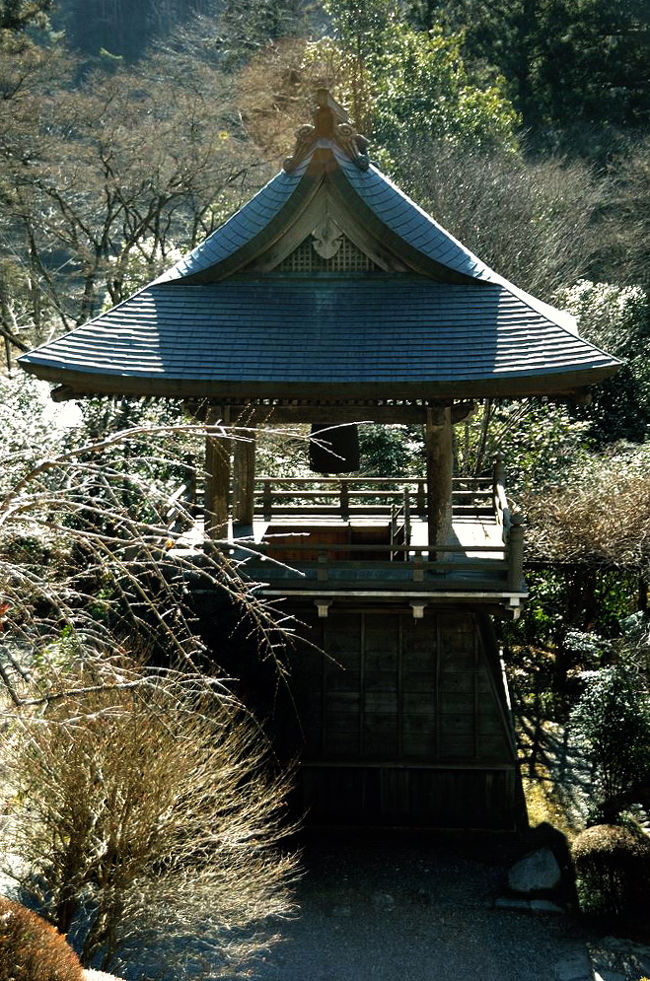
(81, 384)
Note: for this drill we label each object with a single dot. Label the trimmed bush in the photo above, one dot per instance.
(612, 865)
(32, 950)
(612, 724)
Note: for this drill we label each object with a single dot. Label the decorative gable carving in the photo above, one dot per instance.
(326, 239)
(331, 122)
(309, 257)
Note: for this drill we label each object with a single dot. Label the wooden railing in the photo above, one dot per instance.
(498, 566)
(494, 567)
(400, 526)
(364, 496)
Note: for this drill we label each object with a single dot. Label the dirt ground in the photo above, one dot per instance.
(419, 908)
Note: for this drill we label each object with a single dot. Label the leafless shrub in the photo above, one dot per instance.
(602, 520)
(148, 815)
(93, 547)
(141, 807)
(534, 222)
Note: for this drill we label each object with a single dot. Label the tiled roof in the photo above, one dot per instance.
(386, 201)
(409, 221)
(386, 331)
(413, 225)
(252, 218)
(452, 327)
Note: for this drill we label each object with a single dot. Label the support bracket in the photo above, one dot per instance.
(323, 607)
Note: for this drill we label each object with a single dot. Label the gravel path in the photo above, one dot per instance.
(417, 909)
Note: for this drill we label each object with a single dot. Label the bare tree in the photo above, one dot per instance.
(534, 222)
(122, 169)
(137, 790)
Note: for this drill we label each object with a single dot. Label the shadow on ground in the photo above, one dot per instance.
(419, 907)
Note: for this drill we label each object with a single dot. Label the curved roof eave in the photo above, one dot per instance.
(391, 333)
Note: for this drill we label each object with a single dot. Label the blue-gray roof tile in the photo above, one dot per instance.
(239, 229)
(271, 334)
(397, 330)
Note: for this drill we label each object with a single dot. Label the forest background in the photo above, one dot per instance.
(128, 132)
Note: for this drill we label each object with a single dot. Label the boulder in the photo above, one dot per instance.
(537, 872)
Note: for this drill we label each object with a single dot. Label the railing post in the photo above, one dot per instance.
(516, 553)
(267, 500)
(407, 518)
(321, 567)
(498, 473)
(345, 500)
(498, 477)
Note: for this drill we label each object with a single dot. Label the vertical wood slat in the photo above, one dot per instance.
(362, 684)
(243, 504)
(516, 554)
(217, 481)
(401, 654)
(267, 501)
(476, 707)
(436, 733)
(345, 500)
(439, 458)
(323, 691)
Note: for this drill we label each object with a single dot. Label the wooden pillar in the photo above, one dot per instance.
(243, 480)
(217, 482)
(516, 554)
(439, 456)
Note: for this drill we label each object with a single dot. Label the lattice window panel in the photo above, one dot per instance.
(349, 258)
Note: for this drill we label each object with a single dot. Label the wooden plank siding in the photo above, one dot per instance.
(405, 722)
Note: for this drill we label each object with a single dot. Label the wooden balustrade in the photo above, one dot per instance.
(278, 496)
(496, 566)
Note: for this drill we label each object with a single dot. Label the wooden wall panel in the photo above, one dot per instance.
(405, 722)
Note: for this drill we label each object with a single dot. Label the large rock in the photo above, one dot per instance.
(536, 872)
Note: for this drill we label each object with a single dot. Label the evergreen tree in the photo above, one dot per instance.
(19, 15)
(567, 61)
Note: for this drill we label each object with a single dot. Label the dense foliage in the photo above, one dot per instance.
(612, 864)
(612, 721)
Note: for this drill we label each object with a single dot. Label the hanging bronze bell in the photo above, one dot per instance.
(333, 449)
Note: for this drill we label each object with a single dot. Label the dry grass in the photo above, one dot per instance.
(604, 522)
(149, 816)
